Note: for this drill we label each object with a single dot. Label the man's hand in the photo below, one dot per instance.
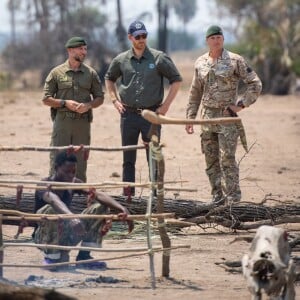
(189, 128)
(83, 107)
(162, 109)
(78, 106)
(78, 227)
(72, 105)
(123, 216)
(119, 106)
(235, 108)
(106, 226)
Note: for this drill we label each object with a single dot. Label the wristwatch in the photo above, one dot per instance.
(240, 104)
(62, 103)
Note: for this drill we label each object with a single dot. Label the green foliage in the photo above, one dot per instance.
(5, 81)
(296, 66)
(185, 10)
(44, 48)
(269, 35)
(85, 21)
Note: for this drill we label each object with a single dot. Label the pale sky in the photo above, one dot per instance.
(133, 8)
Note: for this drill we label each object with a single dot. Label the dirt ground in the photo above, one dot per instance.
(271, 167)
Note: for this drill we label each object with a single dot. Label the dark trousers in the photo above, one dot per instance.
(132, 125)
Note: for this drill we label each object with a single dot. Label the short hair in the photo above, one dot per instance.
(64, 156)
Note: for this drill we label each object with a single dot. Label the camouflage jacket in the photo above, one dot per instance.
(215, 84)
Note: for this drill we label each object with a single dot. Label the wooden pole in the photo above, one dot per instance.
(166, 242)
(43, 185)
(88, 260)
(78, 248)
(70, 147)
(15, 215)
(1, 248)
(149, 212)
(157, 119)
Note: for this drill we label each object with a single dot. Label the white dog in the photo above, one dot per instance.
(268, 267)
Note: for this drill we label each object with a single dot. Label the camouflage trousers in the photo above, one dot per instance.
(61, 233)
(219, 143)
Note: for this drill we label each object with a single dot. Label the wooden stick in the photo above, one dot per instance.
(104, 187)
(192, 190)
(1, 248)
(37, 217)
(149, 212)
(158, 159)
(84, 147)
(161, 119)
(79, 248)
(72, 187)
(14, 183)
(91, 260)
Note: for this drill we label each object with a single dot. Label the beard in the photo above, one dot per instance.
(139, 45)
(79, 58)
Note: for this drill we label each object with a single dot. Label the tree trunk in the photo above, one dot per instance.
(197, 212)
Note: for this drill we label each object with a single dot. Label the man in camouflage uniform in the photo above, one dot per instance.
(72, 90)
(70, 232)
(215, 85)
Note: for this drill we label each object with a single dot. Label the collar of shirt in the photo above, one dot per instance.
(224, 55)
(146, 53)
(69, 69)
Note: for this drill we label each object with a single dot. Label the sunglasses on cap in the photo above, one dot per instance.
(141, 36)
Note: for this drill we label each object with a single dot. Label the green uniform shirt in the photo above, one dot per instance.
(64, 83)
(141, 80)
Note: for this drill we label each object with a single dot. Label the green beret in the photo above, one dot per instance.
(75, 42)
(214, 30)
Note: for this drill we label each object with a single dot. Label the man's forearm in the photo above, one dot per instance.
(97, 102)
(105, 199)
(52, 102)
(173, 90)
(53, 200)
(163, 109)
(111, 90)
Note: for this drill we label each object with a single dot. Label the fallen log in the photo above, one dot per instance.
(192, 211)
(138, 205)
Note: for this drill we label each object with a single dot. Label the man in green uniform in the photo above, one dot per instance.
(72, 90)
(215, 86)
(141, 71)
(70, 232)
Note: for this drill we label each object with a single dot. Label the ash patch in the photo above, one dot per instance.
(40, 281)
(89, 282)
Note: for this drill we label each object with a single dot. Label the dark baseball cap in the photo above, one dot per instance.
(75, 41)
(137, 28)
(214, 30)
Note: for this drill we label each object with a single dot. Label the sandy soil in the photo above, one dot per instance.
(271, 167)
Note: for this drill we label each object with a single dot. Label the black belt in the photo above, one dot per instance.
(138, 110)
(74, 115)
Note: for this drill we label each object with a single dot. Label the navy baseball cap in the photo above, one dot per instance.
(137, 28)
